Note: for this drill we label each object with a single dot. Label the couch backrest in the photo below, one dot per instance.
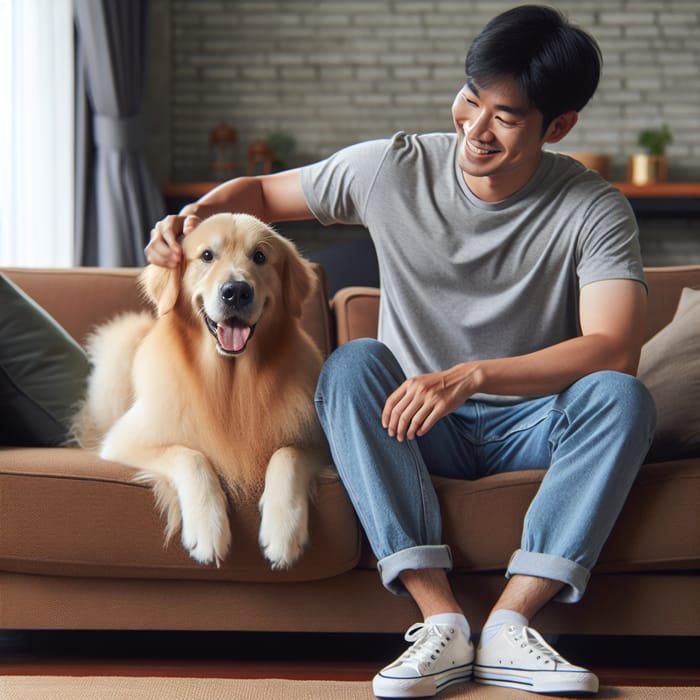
(81, 298)
(357, 308)
(665, 287)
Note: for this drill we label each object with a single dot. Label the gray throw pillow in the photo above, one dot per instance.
(43, 372)
(670, 368)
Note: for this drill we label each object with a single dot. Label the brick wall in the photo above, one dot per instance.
(332, 72)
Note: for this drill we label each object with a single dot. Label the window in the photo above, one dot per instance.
(36, 133)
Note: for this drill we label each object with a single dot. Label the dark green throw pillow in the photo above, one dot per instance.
(43, 372)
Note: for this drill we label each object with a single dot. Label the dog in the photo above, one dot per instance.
(214, 392)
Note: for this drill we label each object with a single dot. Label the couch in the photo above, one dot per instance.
(81, 544)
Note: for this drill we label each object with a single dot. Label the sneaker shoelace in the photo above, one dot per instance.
(427, 643)
(532, 640)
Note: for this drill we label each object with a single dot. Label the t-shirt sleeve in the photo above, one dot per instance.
(609, 244)
(337, 188)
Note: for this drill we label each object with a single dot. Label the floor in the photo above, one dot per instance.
(616, 660)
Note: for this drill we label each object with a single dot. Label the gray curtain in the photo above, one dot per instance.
(117, 201)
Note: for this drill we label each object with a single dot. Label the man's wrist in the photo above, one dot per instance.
(475, 375)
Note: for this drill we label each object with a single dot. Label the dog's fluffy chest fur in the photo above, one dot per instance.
(225, 389)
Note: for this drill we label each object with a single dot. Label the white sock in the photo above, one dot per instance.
(496, 620)
(454, 619)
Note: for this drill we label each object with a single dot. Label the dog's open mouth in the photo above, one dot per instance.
(232, 334)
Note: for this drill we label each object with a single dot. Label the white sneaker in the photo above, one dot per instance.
(439, 656)
(518, 657)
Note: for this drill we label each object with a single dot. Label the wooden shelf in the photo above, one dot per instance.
(193, 190)
(662, 189)
(664, 200)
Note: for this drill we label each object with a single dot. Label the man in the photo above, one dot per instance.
(511, 322)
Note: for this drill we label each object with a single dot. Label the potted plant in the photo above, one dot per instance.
(272, 154)
(651, 166)
(282, 144)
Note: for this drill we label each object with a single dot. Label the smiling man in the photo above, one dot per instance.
(511, 321)
(500, 137)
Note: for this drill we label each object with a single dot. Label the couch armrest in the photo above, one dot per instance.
(356, 313)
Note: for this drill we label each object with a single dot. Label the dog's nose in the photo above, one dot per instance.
(237, 294)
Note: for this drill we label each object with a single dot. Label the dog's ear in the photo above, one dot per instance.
(161, 286)
(298, 279)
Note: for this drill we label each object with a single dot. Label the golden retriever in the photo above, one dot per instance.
(217, 388)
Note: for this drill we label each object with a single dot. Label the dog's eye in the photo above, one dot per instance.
(259, 257)
(207, 255)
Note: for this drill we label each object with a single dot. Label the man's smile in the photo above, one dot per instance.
(480, 150)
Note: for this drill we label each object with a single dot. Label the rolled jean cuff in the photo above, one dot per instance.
(436, 556)
(572, 575)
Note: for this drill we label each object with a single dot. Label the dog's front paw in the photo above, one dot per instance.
(206, 534)
(284, 532)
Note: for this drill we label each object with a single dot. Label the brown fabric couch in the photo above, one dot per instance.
(81, 545)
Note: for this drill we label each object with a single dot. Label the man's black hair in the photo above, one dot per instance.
(555, 64)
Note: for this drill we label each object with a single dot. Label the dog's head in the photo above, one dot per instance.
(236, 274)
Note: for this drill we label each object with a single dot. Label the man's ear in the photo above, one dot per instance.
(161, 286)
(560, 127)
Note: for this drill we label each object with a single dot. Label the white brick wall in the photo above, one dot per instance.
(333, 72)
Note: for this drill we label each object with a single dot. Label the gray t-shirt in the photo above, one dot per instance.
(463, 279)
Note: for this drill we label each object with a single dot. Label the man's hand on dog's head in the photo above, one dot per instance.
(164, 248)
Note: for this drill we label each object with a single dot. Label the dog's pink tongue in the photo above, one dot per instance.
(233, 337)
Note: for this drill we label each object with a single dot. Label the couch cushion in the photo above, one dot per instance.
(42, 372)
(670, 368)
(66, 512)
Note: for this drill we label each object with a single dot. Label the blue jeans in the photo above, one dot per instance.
(591, 438)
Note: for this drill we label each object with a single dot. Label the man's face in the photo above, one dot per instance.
(500, 138)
